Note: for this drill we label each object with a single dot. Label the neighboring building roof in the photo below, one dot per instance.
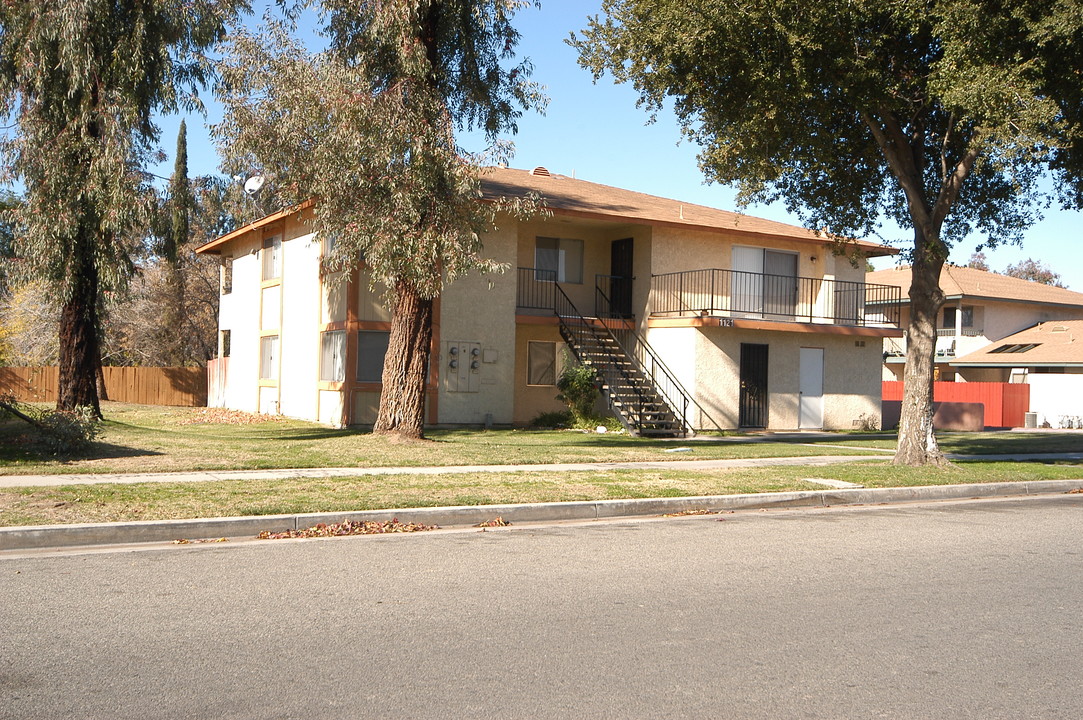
(568, 196)
(963, 282)
(579, 198)
(1056, 343)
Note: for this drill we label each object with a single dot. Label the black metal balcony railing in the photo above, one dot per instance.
(536, 289)
(733, 293)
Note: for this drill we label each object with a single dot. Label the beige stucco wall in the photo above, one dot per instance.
(851, 382)
(478, 310)
(532, 400)
(597, 240)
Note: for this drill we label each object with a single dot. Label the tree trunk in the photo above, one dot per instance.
(406, 365)
(917, 444)
(80, 354)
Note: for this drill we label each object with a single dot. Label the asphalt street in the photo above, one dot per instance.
(933, 610)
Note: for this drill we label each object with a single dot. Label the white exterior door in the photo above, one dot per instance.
(811, 403)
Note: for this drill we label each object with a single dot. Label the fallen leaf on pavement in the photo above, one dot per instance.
(348, 527)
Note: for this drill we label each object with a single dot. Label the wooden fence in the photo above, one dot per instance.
(184, 386)
(1005, 403)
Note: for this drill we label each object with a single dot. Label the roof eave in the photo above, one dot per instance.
(214, 246)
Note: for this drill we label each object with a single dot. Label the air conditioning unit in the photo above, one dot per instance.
(1030, 420)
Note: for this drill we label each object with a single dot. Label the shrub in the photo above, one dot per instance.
(578, 391)
(552, 420)
(61, 432)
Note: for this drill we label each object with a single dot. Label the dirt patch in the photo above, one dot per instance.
(223, 416)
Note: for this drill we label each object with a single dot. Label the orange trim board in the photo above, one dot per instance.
(213, 245)
(747, 324)
(553, 320)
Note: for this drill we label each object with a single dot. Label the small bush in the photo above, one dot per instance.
(61, 432)
(578, 391)
(67, 433)
(552, 420)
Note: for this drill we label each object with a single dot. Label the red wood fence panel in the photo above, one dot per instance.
(1005, 403)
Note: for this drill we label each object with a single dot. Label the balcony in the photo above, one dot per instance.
(536, 293)
(779, 298)
(963, 332)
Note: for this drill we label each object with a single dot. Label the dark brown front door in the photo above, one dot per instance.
(753, 399)
(620, 268)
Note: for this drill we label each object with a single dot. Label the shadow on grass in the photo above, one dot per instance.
(1006, 443)
(35, 452)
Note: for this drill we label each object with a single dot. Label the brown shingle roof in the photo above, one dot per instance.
(964, 282)
(569, 196)
(1055, 343)
(579, 198)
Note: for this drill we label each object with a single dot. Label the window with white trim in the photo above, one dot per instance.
(272, 257)
(268, 357)
(333, 356)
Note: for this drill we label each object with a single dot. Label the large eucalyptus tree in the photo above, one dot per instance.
(368, 128)
(943, 115)
(82, 80)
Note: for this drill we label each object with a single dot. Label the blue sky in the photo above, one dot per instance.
(595, 132)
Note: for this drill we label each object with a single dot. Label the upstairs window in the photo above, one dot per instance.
(227, 275)
(560, 259)
(272, 257)
(950, 314)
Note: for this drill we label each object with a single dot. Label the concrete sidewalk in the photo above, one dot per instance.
(10, 481)
(286, 473)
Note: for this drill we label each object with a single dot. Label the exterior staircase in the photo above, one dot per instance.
(628, 384)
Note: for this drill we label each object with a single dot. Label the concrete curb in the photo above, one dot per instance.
(57, 536)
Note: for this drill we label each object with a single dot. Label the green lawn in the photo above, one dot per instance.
(146, 439)
(155, 501)
(138, 438)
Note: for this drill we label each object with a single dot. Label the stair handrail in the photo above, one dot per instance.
(641, 342)
(566, 311)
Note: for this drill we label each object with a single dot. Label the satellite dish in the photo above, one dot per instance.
(253, 184)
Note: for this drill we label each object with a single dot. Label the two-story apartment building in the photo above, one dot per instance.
(692, 317)
(980, 308)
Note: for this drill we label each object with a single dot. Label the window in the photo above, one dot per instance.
(1014, 348)
(227, 275)
(268, 358)
(968, 316)
(541, 363)
(226, 338)
(272, 257)
(560, 257)
(333, 356)
(371, 349)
